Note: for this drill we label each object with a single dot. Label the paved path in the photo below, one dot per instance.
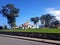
(32, 39)
(13, 41)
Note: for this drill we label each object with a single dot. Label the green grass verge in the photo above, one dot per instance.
(41, 30)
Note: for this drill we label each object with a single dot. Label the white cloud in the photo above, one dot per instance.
(54, 12)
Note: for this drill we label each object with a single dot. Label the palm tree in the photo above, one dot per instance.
(35, 20)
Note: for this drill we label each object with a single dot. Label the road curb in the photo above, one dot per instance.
(33, 39)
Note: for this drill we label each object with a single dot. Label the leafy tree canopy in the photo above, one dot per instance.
(10, 12)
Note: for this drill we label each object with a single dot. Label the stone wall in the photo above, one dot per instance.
(53, 36)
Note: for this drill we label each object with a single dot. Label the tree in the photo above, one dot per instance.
(5, 27)
(54, 24)
(45, 19)
(1, 27)
(10, 12)
(35, 20)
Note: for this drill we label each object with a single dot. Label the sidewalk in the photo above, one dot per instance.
(32, 39)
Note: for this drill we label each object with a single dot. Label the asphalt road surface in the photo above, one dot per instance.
(13, 41)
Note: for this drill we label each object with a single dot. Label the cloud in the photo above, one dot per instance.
(54, 12)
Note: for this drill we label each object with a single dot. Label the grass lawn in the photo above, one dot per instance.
(41, 30)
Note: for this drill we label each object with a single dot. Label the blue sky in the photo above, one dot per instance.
(30, 8)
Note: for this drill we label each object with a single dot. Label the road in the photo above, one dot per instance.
(13, 41)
